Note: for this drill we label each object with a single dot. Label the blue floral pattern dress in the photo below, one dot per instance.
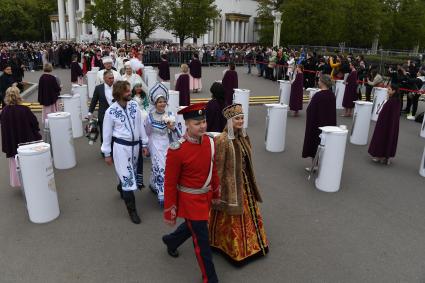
(160, 138)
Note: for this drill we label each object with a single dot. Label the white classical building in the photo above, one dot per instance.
(237, 23)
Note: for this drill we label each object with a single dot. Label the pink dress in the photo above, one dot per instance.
(14, 178)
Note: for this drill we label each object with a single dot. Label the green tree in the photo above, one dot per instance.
(188, 18)
(106, 15)
(145, 17)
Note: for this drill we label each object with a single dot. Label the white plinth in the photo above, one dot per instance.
(151, 78)
(284, 91)
(276, 127)
(312, 91)
(62, 141)
(422, 167)
(180, 121)
(339, 93)
(361, 122)
(167, 85)
(144, 73)
(380, 95)
(173, 101)
(91, 82)
(241, 96)
(72, 105)
(82, 90)
(422, 133)
(38, 180)
(331, 161)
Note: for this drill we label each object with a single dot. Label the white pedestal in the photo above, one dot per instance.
(422, 134)
(91, 82)
(62, 142)
(284, 91)
(276, 127)
(312, 91)
(241, 96)
(38, 182)
(361, 122)
(339, 93)
(173, 101)
(180, 121)
(145, 71)
(167, 85)
(72, 105)
(380, 95)
(331, 160)
(82, 91)
(151, 78)
(422, 167)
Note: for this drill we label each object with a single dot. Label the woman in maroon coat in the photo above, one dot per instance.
(18, 125)
(230, 82)
(195, 73)
(320, 112)
(164, 69)
(383, 145)
(48, 91)
(350, 93)
(297, 91)
(214, 109)
(183, 87)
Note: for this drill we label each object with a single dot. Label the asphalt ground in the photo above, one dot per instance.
(372, 230)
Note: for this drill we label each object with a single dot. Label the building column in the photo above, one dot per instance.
(52, 28)
(232, 31)
(217, 31)
(71, 19)
(82, 8)
(223, 29)
(243, 40)
(237, 31)
(61, 14)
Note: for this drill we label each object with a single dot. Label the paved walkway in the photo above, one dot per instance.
(372, 230)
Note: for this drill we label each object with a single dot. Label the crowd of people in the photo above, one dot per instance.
(202, 169)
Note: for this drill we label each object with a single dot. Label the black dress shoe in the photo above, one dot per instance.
(134, 217)
(173, 253)
(119, 189)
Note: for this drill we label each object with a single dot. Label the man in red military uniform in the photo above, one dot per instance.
(191, 184)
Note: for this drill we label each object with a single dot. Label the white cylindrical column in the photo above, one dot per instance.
(361, 122)
(71, 19)
(82, 8)
(91, 82)
(151, 78)
(60, 127)
(82, 91)
(72, 105)
(167, 85)
(145, 71)
(422, 167)
(61, 14)
(422, 134)
(247, 32)
(339, 93)
(284, 91)
(173, 101)
(38, 182)
(180, 121)
(312, 91)
(237, 27)
(276, 127)
(243, 32)
(241, 96)
(331, 158)
(380, 95)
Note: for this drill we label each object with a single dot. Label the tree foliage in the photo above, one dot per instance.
(188, 18)
(106, 15)
(26, 19)
(145, 17)
(397, 23)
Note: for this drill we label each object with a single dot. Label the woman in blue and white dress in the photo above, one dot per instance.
(161, 130)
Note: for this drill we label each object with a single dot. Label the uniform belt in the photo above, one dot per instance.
(124, 142)
(193, 191)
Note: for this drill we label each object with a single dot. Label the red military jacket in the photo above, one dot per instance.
(188, 164)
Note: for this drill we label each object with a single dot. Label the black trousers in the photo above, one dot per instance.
(198, 230)
(412, 102)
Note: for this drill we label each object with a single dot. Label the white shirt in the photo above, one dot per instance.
(124, 124)
(108, 93)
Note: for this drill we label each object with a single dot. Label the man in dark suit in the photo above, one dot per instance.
(103, 95)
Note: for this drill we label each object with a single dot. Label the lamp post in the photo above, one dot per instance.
(277, 26)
